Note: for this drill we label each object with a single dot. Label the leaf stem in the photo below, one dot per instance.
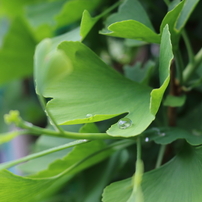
(179, 65)
(67, 134)
(43, 153)
(52, 120)
(160, 156)
(188, 46)
(192, 66)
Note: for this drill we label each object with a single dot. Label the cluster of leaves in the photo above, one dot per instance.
(92, 89)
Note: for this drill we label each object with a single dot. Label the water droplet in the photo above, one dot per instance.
(162, 134)
(124, 123)
(146, 139)
(89, 116)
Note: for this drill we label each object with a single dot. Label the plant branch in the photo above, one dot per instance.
(192, 66)
(52, 120)
(179, 65)
(160, 156)
(188, 46)
(13, 117)
(173, 91)
(43, 153)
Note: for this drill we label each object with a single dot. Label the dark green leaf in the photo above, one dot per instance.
(174, 101)
(187, 9)
(16, 54)
(179, 180)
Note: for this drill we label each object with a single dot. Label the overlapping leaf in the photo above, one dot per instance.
(168, 135)
(179, 180)
(127, 24)
(76, 100)
(16, 54)
(32, 188)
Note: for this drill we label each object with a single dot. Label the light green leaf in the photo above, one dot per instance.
(33, 188)
(167, 135)
(110, 95)
(72, 11)
(13, 8)
(166, 57)
(187, 9)
(87, 22)
(132, 22)
(171, 19)
(174, 101)
(47, 55)
(179, 180)
(107, 87)
(41, 15)
(133, 30)
(16, 54)
(130, 9)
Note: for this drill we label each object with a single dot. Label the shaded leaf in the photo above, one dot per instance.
(187, 9)
(78, 6)
(41, 15)
(179, 180)
(171, 19)
(33, 188)
(166, 135)
(174, 101)
(131, 22)
(138, 73)
(16, 54)
(130, 10)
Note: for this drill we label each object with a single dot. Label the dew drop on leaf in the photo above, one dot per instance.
(146, 139)
(162, 134)
(89, 116)
(124, 123)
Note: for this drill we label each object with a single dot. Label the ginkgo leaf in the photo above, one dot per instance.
(76, 100)
(179, 180)
(167, 135)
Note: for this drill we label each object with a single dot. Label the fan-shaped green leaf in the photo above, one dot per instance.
(179, 180)
(130, 10)
(110, 95)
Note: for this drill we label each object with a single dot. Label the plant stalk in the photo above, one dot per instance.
(192, 66)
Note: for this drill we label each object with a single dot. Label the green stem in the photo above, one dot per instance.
(117, 145)
(138, 148)
(52, 120)
(160, 156)
(67, 134)
(179, 65)
(191, 67)
(188, 46)
(43, 153)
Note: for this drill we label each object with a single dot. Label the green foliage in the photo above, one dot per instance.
(101, 95)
